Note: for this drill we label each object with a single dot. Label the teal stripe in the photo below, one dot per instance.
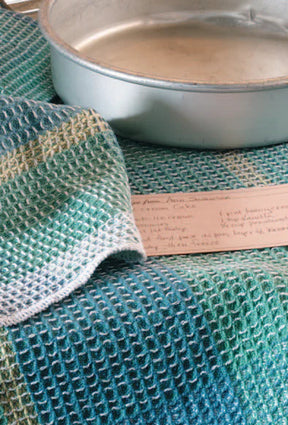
(16, 406)
(246, 305)
(22, 120)
(62, 204)
(3, 420)
(130, 347)
(158, 169)
(24, 58)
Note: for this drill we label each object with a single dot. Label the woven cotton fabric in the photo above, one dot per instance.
(132, 347)
(24, 58)
(177, 340)
(65, 204)
(243, 294)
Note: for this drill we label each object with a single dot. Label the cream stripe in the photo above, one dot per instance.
(241, 167)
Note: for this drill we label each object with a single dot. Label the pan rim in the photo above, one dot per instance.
(72, 54)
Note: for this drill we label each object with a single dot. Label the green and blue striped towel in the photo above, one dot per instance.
(178, 340)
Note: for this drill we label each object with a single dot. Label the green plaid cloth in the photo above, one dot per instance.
(90, 332)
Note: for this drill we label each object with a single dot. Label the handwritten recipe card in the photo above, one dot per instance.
(184, 223)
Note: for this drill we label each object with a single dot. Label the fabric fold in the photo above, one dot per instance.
(65, 204)
(179, 340)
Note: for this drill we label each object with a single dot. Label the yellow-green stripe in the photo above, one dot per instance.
(82, 126)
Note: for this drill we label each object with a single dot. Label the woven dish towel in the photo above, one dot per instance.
(177, 340)
(24, 58)
(64, 194)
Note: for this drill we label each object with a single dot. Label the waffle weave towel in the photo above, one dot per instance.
(179, 340)
(65, 204)
(24, 58)
(64, 195)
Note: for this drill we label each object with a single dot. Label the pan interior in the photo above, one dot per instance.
(214, 50)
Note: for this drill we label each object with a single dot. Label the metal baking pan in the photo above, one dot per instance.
(190, 73)
(25, 7)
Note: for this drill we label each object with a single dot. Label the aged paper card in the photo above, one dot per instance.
(185, 223)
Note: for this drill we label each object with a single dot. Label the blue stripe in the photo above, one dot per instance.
(131, 347)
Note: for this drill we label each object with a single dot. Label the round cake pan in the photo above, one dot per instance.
(189, 73)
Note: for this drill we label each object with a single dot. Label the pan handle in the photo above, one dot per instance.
(25, 7)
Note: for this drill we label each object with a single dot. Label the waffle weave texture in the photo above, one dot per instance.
(24, 58)
(178, 340)
(65, 204)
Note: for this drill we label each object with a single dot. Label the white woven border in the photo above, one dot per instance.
(125, 237)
